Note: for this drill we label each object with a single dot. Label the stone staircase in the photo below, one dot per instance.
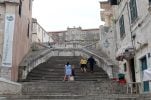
(53, 70)
(45, 82)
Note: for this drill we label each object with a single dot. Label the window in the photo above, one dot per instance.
(20, 7)
(28, 30)
(122, 28)
(125, 68)
(119, 1)
(30, 4)
(149, 2)
(113, 2)
(133, 10)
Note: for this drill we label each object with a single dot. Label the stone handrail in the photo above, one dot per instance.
(31, 61)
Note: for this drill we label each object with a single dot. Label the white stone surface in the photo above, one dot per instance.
(9, 87)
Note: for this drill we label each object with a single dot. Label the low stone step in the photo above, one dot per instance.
(62, 74)
(70, 87)
(73, 97)
(44, 97)
(60, 79)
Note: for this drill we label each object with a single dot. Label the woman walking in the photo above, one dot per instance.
(68, 71)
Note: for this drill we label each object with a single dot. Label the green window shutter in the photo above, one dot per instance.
(133, 10)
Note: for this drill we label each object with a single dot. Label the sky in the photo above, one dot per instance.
(57, 15)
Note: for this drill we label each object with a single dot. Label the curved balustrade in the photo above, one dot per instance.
(38, 57)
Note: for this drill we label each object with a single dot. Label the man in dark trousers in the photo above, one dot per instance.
(91, 62)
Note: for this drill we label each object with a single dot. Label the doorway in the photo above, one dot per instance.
(132, 69)
(144, 66)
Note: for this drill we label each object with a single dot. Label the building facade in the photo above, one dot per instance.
(133, 21)
(107, 31)
(75, 37)
(15, 35)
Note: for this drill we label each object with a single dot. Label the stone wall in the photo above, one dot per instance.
(39, 34)
(21, 35)
(9, 87)
(75, 36)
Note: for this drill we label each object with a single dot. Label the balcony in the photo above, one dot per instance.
(10, 1)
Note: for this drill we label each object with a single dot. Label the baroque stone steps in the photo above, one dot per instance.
(74, 88)
(53, 70)
(46, 83)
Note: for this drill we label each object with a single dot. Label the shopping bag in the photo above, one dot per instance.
(71, 78)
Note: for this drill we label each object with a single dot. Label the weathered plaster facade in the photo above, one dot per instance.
(106, 13)
(107, 31)
(21, 12)
(136, 39)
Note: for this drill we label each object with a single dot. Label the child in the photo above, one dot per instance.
(73, 71)
(72, 74)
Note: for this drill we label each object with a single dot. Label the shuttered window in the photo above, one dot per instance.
(133, 10)
(122, 28)
(149, 2)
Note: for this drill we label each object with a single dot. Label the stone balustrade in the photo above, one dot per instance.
(34, 60)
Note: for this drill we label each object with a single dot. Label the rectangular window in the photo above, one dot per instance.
(113, 2)
(122, 28)
(28, 30)
(125, 68)
(133, 10)
(20, 7)
(30, 4)
(149, 2)
(119, 1)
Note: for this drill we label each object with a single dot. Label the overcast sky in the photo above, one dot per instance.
(57, 15)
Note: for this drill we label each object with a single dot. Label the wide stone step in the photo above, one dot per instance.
(59, 70)
(46, 82)
(62, 68)
(61, 79)
(70, 87)
(44, 97)
(53, 74)
(73, 97)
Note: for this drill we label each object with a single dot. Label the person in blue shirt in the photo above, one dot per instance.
(68, 71)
